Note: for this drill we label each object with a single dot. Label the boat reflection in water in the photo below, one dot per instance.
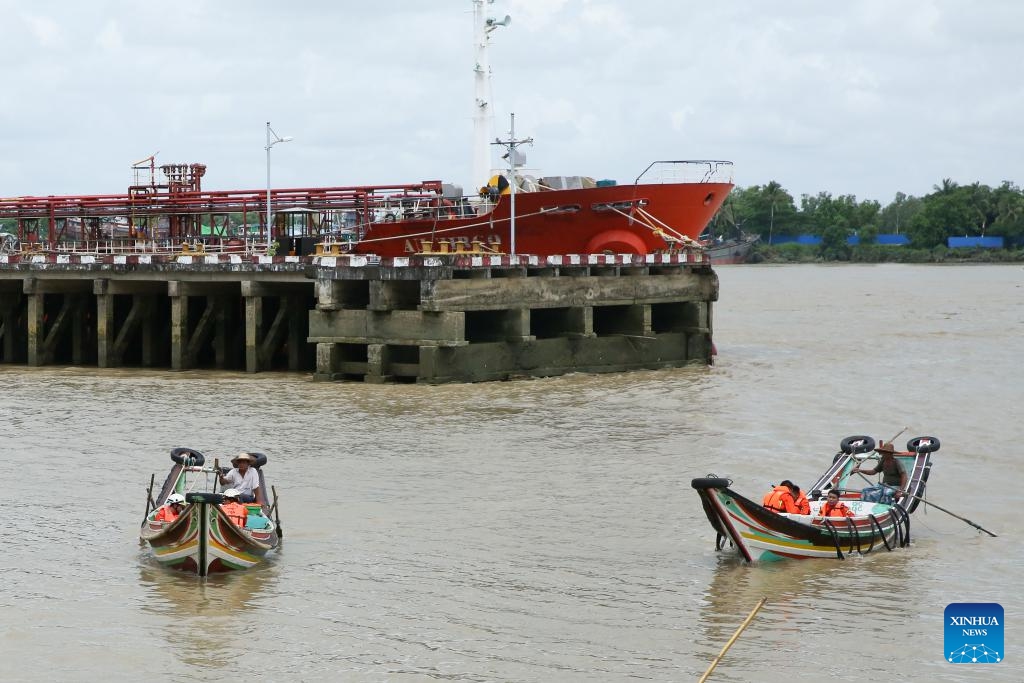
(209, 617)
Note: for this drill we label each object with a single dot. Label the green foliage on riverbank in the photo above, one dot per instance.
(874, 253)
(974, 210)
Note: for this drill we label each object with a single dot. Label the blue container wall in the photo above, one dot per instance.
(975, 242)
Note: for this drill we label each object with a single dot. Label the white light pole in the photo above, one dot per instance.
(270, 143)
(515, 160)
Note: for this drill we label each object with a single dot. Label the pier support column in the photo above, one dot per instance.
(105, 333)
(376, 361)
(327, 358)
(36, 324)
(517, 325)
(179, 326)
(429, 362)
(253, 325)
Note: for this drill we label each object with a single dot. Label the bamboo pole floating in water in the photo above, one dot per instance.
(746, 622)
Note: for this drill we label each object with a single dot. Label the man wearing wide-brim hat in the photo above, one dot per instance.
(243, 477)
(893, 473)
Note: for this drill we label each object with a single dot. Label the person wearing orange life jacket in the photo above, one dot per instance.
(234, 510)
(171, 509)
(780, 499)
(833, 508)
(800, 500)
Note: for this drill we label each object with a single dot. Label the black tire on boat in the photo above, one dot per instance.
(203, 497)
(260, 461)
(181, 455)
(857, 444)
(923, 444)
(710, 483)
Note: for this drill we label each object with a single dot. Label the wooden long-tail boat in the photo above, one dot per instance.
(204, 539)
(878, 521)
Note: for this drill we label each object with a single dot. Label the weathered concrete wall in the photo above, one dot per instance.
(446, 320)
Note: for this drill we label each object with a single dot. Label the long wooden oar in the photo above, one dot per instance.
(951, 514)
(938, 507)
(746, 622)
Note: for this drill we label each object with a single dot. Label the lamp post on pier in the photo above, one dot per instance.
(272, 139)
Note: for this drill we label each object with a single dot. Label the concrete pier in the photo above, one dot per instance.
(468, 319)
(429, 319)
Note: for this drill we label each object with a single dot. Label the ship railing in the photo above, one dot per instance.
(687, 171)
(164, 246)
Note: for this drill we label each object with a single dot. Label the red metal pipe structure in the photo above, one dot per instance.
(182, 202)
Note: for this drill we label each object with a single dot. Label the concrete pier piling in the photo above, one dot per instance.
(428, 319)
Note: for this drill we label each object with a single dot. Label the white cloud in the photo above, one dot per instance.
(110, 37)
(866, 98)
(44, 29)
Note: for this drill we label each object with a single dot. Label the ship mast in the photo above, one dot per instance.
(482, 113)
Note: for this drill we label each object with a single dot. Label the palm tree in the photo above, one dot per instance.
(773, 192)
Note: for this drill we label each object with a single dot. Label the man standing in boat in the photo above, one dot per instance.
(243, 478)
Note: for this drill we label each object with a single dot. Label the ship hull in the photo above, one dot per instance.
(627, 219)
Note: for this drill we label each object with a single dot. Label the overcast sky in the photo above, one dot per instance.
(868, 97)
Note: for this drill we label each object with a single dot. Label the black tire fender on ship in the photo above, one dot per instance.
(187, 456)
(857, 444)
(260, 461)
(923, 444)
(710, 483)
(204, 497)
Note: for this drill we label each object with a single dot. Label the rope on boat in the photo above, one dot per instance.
(902, 524)
(835, 538)
(654, 224)
(874, 521)
(854, 536)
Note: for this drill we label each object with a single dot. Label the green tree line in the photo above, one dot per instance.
(950, 210)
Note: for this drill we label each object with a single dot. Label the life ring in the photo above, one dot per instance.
(389, 218)
(204, 497)
(857, 444)
(923, 444)
(187, 456)
(710, 483)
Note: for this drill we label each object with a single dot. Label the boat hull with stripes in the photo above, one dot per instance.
(203, 539)
(759, 534)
